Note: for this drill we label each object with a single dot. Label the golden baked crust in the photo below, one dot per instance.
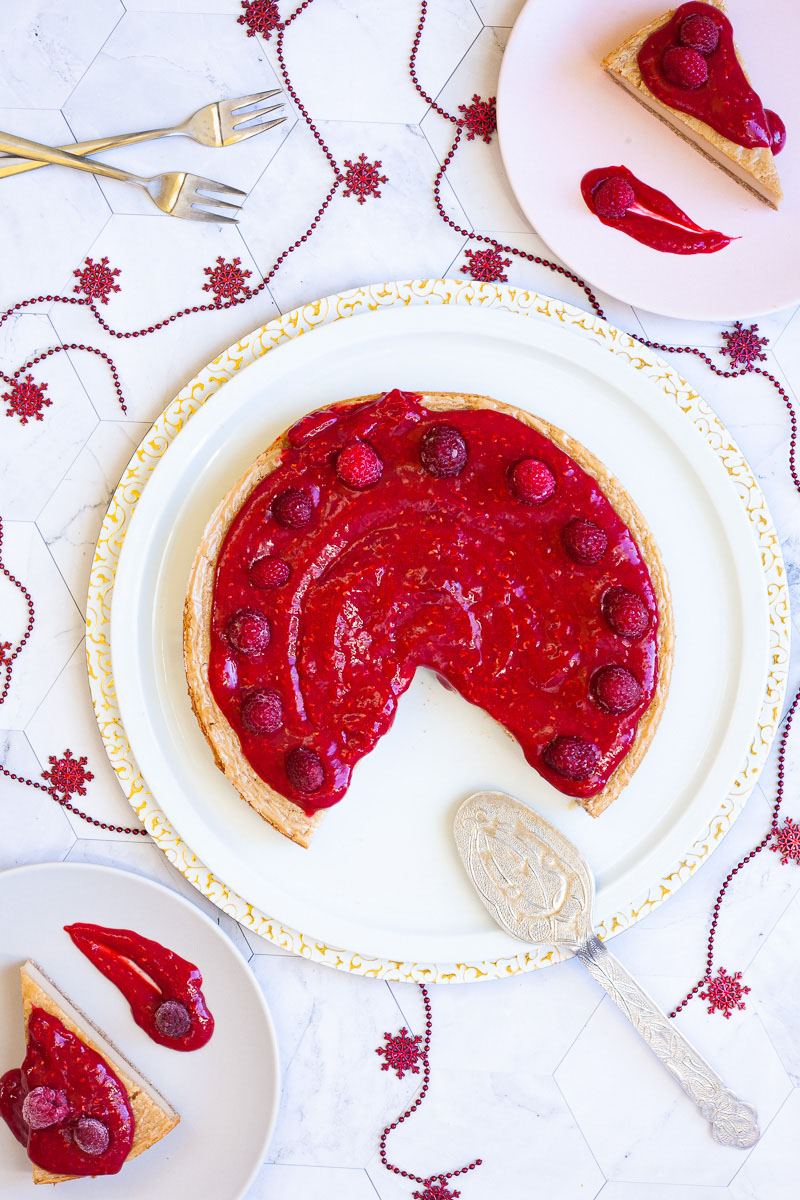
(285, 816)
(752, 167)
(152, 1121)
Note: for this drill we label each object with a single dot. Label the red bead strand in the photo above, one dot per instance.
(7, 661)
(776, 808)
(423, 1091)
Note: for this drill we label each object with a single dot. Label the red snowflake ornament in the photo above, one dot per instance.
(27, 399)
(260, 16)
(435, 1191)
(725, 993)
(67, 776)
(486, 266)
(401, 1053)
(744, 346)
(96, 280)
(4, 656)
(226, 281)
(480, 118)
(787, 840)
(362, 178)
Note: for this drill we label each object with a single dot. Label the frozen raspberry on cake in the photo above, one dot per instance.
(43, 1107)
(359, 466)
(304, 769)
(613, 197)
(262, 712)
(571, 757)
(533, 481)
(269, 572)
(249, 632)
(616, 689)
(699, 32)
(292, 509)
(684, 67)
(626, 613)
(443, 451)
(584, 541)
(91, 1136)
(172, 1019)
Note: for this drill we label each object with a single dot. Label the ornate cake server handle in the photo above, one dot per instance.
(733, 1123)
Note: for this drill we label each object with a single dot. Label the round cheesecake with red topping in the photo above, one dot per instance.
(437, 530)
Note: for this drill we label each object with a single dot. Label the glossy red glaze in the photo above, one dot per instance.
(59, 1059)
(653, 219)
(726, 101)
(148, 974)
(453, 573)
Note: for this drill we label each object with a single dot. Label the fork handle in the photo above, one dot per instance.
(36, 151)
(733, 1123)
(16, 166)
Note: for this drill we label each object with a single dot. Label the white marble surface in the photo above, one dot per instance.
(537, 1075)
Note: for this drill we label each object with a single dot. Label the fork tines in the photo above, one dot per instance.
(202, 185)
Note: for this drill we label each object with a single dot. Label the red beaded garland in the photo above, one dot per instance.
(423, 1091)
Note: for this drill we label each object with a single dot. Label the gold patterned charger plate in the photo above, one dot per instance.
(383, 877)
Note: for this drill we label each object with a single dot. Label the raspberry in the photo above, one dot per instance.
(269, 572)
(359, 466)
(584, 541)
(777, 131)
(443, 451)
(571, 757)
(685, 68)
(304, 769)
(262, 712)
(613, 197)
(249, 631)
(172, 1019)
(43, 1107)
(91, 1136)
(699, 32)
(616, 689)
(626, 613)
(292, 509)
(533, 481)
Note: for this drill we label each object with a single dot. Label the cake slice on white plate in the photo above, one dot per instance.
(684, 66)
(77, 1115)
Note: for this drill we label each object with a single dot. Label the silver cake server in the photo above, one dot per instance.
(539, 887)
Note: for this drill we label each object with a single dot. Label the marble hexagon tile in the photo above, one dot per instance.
(155, 70)
(390, 237)
(65, 423)
(32, 830)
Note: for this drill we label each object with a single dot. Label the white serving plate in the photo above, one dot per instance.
(559, 115)
(226, 1093)
(382, 876)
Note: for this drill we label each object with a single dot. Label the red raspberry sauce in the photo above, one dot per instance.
(58, 1059)
(452, 573)
(726, 100)
(148, 974)
(653, 219)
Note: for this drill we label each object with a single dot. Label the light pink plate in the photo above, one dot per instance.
(559, 115)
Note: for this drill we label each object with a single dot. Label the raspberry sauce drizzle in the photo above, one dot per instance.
(163, 989)
(455, 572)
(725, 101)
(653, 218)
(58, 1059)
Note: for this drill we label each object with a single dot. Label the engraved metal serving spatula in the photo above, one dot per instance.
(539, 887)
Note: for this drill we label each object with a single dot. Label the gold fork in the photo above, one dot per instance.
(175, 192)
(222, 123)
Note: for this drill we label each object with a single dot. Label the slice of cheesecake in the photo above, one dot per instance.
(751, 166)
(154, 1116)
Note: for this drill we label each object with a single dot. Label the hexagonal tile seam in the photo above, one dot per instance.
(568, 1107)
(90, 63)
